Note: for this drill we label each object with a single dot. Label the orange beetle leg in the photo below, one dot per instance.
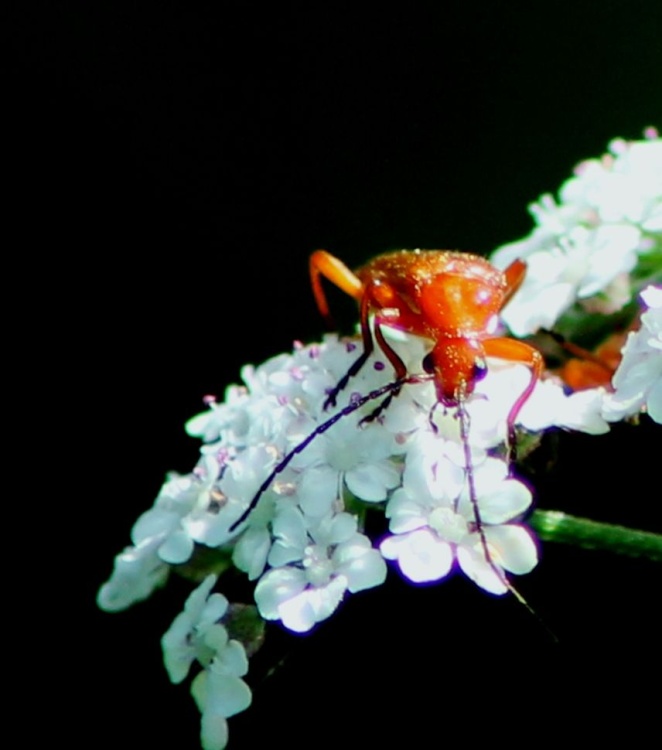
(590, 370)
(514, 274)
(580, 375)
(516, 351)
(324, 264)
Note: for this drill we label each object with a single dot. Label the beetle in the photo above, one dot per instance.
(446, 296)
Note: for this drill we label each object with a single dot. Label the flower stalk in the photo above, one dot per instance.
(562, 528)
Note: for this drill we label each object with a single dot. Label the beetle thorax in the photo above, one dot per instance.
(454, 305)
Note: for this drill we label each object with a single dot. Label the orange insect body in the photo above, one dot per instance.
(449, 297)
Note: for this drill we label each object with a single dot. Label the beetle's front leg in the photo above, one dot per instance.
(519, 352)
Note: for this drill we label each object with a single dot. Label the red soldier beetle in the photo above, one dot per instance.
(448, 297)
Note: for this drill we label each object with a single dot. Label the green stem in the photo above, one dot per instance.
(555, 526)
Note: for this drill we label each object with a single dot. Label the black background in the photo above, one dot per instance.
(176, 166)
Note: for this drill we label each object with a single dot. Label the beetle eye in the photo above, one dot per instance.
(428, 364)
(479, 371)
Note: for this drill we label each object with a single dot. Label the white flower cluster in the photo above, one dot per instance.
(608, 219)
(282, 486)
(638, 380)
(303, 542)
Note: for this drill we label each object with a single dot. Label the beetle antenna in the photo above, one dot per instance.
(390, 390)
(465, 422)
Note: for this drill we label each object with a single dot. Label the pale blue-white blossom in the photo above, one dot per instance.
(433, 524)
(137, 572)
(160, 538)
(624, 185)
(360, 459)
(548, 405)
(211, 524)
(197, 634)
(192, 631)
(316, 561)
(584, 247)
(638, 380)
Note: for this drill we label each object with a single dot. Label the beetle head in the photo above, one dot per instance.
(456, 364)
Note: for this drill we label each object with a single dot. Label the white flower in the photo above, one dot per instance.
(136, 573)
(211, 524)
(197, 635)
(584, 248)
(193, 631)
(566, 268)
(434, 524)
(219, 694)
(179, 496)
(160, 538)
(548, 405)
(623, 186)
(359, 458)
(319, 561)
(638, 379)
